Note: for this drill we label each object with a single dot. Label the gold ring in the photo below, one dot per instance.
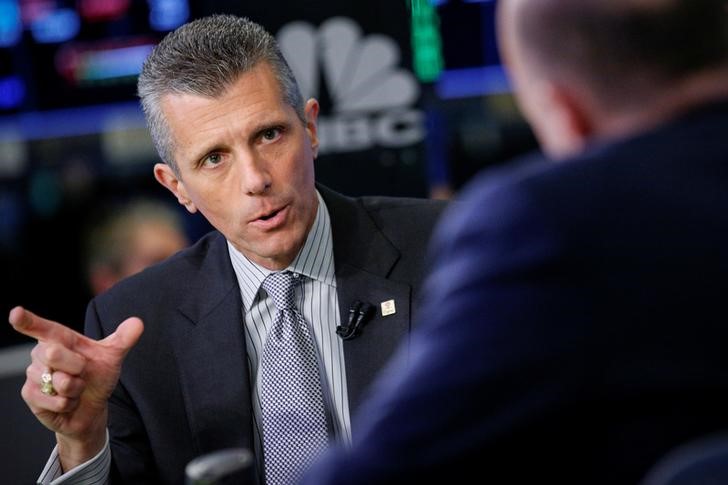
(46, 383)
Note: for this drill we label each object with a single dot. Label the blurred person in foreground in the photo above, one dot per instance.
(128, 238)
(238, 142)
(574, 322)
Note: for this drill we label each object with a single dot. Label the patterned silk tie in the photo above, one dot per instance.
(292, 405)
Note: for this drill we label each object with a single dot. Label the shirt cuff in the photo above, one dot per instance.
(93, 472)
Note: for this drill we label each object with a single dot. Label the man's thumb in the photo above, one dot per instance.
(126, 335)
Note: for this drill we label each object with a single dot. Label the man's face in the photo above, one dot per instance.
(245, 162)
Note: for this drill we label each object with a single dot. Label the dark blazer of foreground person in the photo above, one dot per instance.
(574, 321)
(574, 326)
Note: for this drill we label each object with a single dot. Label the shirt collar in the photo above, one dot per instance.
(315, 259)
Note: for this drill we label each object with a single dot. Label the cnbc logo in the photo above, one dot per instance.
(371, 97)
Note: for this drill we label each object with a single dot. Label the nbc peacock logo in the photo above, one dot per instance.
(371, 97)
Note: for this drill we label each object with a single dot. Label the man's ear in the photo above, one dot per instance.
(166, 176)
(311, 111)
(576, 111)
(567, 121)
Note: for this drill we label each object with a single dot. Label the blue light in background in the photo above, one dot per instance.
(10, 25)
(167, 15)
(12, 92)
(115, 63)
(57, 26)
(475, 81)
(79, 121)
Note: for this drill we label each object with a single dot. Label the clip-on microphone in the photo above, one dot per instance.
(358, 314)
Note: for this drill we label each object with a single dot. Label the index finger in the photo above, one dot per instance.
(30, 324)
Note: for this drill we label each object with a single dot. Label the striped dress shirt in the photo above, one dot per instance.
(93, 472)
(318, 303)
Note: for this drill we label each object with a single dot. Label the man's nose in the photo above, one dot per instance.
(256, 178)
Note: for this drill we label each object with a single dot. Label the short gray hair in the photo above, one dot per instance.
(204, 57)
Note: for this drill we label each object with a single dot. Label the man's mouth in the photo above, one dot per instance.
(269, 215)
(273, 219)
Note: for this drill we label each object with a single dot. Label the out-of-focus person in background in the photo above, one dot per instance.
(264, 333)
(129, 237)
(574, 323)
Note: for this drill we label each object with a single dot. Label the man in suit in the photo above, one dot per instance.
(574, 321)
(238, 144)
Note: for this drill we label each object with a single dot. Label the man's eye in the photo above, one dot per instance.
(212, 159)
(271, 134)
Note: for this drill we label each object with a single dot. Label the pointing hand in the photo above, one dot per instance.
(84, 372)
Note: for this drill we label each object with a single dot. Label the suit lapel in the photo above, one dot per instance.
(210, 351)
(364, 258)
(209, 341)
(366, 354)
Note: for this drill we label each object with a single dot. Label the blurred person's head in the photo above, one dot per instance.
(129, 239)
(591, 69)
(227, 117)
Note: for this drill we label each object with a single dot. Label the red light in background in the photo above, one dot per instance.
(101, 10)
(87, 63)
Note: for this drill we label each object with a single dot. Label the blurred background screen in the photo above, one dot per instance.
(414, 102)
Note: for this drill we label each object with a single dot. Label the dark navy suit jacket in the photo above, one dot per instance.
(184, 388)
(574, 326)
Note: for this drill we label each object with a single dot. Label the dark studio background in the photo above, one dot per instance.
(73, 141)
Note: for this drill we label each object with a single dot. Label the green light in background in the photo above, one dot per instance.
(426, 41)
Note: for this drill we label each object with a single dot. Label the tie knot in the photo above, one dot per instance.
(280, 286)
